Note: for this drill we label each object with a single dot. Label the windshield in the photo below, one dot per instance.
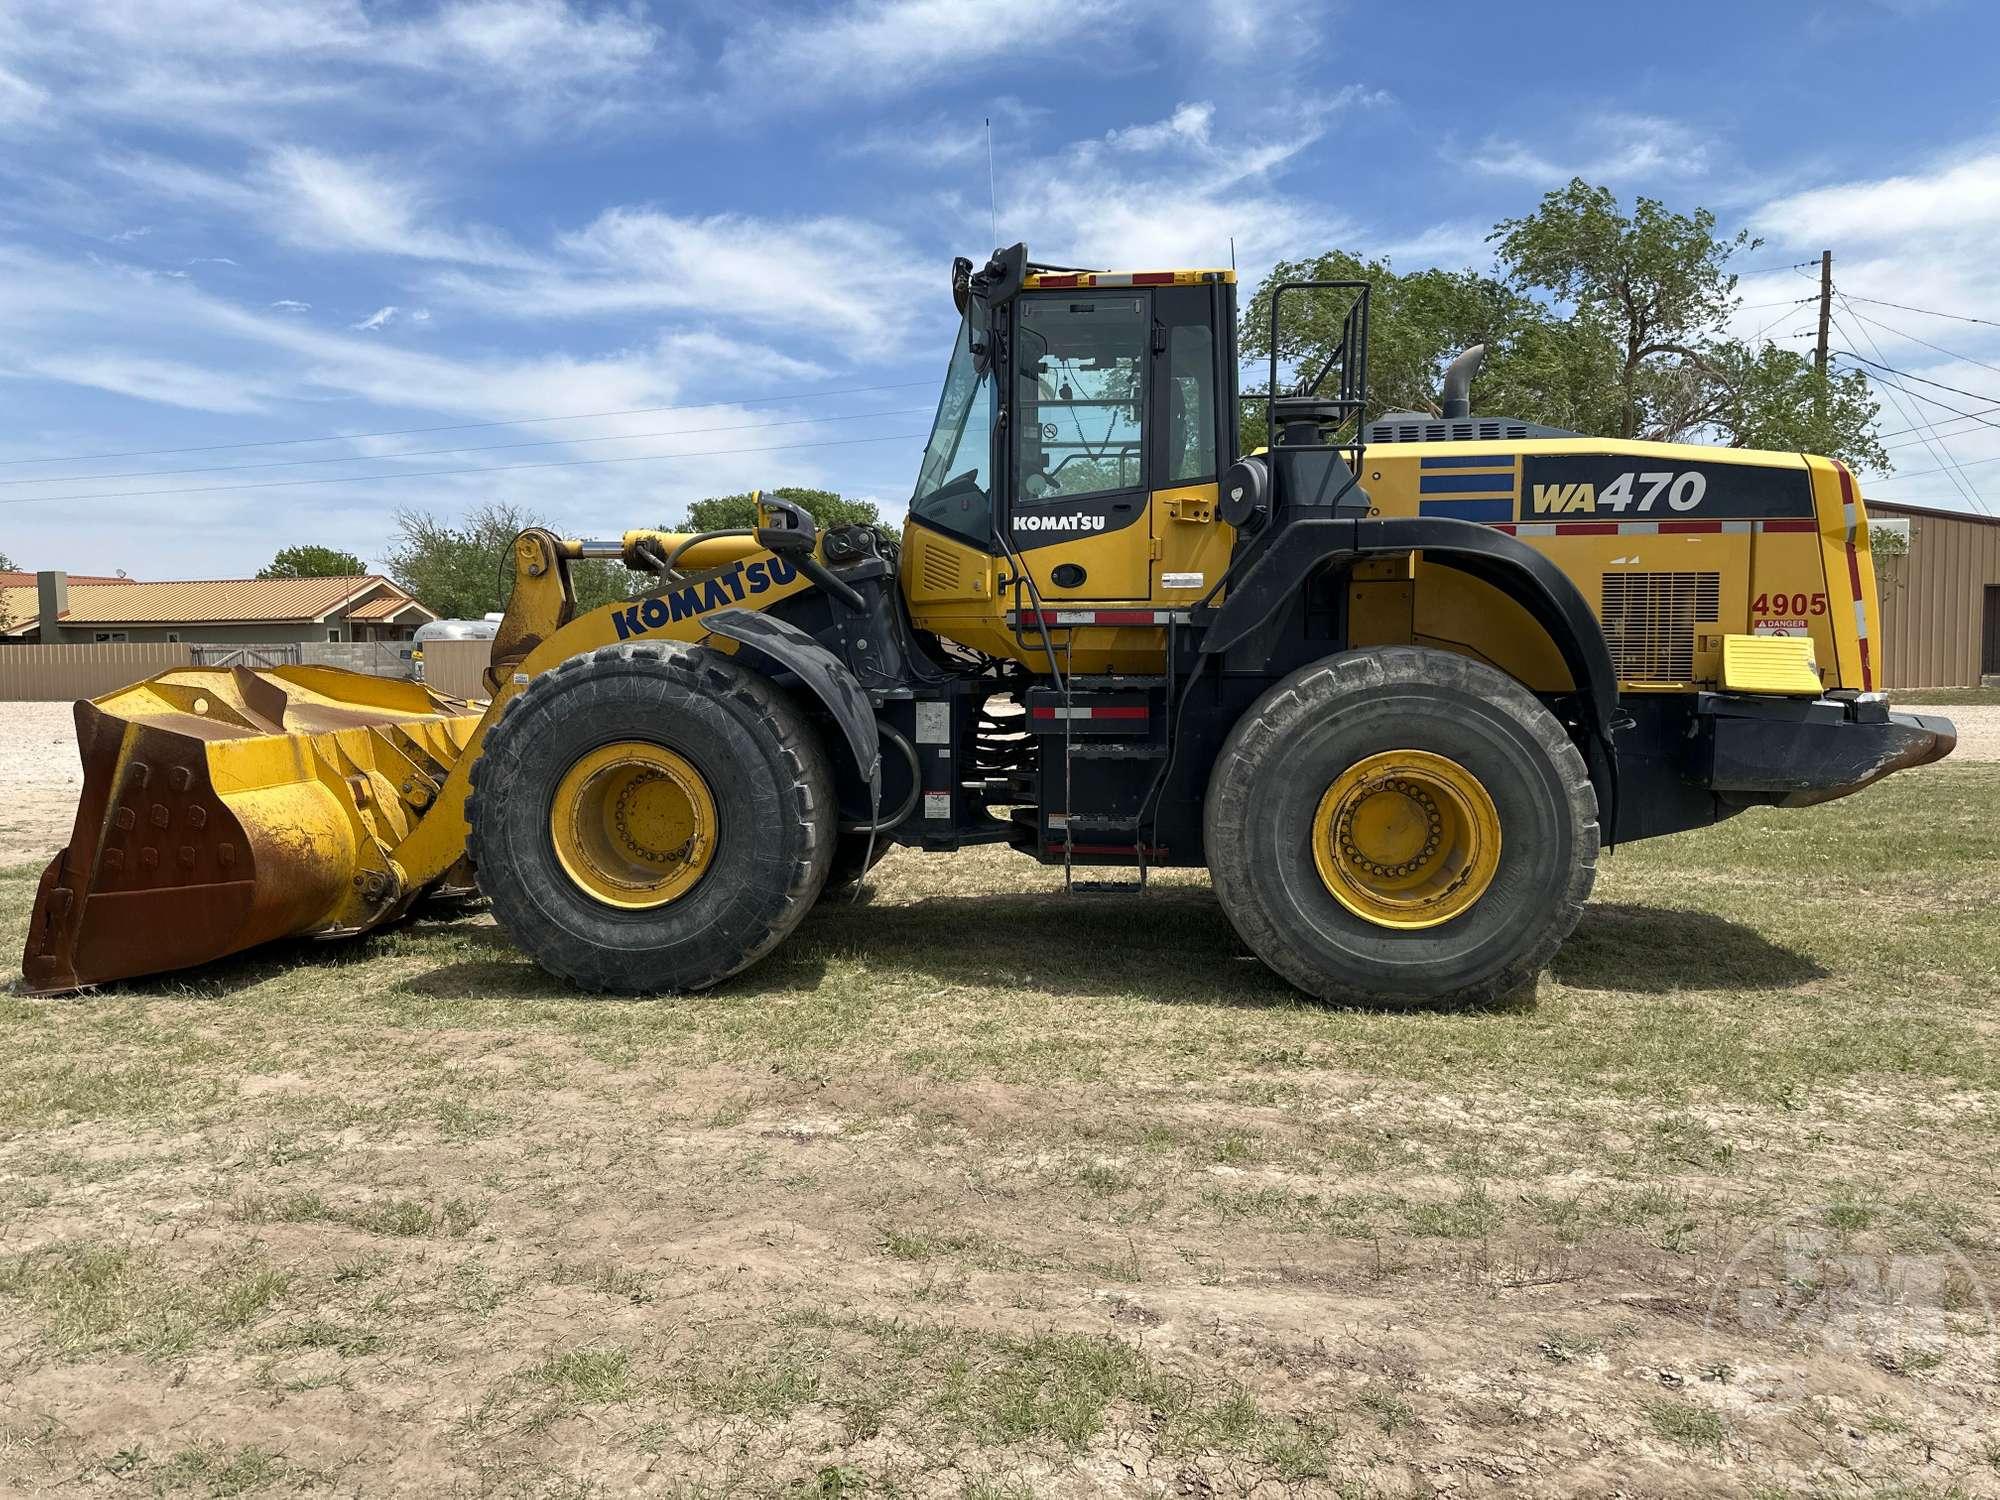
(954, 485)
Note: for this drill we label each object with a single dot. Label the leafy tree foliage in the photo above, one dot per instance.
(465, 570)
(1594, 319)
(309, 561)
(7, 564)
(739, 512)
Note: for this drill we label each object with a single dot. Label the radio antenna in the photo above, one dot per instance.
(992, 197)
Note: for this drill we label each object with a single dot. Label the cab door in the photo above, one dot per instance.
(1079, 419)
(1193, 439)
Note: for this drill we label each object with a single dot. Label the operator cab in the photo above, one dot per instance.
(1072, 398)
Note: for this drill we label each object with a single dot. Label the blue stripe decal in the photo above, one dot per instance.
(1468, 510)
(1463, 461)
(1465, 484)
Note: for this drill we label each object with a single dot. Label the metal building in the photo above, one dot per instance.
(1941, 597)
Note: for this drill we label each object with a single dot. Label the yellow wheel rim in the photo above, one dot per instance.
(634, 824)
(1406, 839)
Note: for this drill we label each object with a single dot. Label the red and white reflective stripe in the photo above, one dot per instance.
(1093, 617)
(1101, 278)
(1116, 711)
(1626, 528)
(1850, 510)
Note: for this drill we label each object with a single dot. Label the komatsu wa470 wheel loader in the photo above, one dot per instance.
(1393, 683)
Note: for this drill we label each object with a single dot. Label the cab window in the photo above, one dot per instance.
(1079, 394)
(954, 484)
(1190, 447)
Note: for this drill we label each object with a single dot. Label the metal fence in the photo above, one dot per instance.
(56, 673)
(457, 667)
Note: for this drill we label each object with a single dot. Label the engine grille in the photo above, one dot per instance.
(1650, 619)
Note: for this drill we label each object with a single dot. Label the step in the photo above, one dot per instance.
(1106, 887)
(1089, 823)
(1117, 750)
(1112, 683)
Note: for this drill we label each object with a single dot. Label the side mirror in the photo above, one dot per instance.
(785, 528)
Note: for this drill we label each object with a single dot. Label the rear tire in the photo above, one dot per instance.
(770, 794)
(1293, 749)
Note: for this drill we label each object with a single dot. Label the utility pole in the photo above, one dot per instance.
(1825, 307)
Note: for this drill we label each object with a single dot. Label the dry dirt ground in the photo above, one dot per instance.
(972, 1190)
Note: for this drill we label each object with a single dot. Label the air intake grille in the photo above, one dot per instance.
(1650, 620)
(939, 572)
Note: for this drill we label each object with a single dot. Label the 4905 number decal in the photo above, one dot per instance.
(1765, 605)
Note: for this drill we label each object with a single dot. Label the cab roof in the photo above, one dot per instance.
(1045, 281)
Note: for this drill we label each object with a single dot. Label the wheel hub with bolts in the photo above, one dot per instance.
(1406, 839)
(634, 824)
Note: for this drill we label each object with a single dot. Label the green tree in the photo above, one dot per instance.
(1652, 290)
(7, 564)
(465, 570)
(1598, 321)
(1418, 323)
(739, 512)
(309, 561)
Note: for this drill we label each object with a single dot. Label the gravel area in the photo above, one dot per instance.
(40, 778)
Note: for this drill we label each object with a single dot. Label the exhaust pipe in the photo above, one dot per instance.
(1456, 398)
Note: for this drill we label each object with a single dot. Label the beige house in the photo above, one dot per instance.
(53, 608)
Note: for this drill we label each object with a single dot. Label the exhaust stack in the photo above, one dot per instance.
(1456, 397)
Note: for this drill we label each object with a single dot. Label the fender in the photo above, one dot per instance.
(790, 649)
(1494, 557)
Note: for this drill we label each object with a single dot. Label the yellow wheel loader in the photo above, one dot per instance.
(1394, 682)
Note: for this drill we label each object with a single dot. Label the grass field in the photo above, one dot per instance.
(972, 1190)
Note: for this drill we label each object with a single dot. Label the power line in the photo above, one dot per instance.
(1925, 473)
(353, 437)
(1914, 395)
(1966, 358)
(1928, 312)
(1962, 484)
(363, 458)
(1905, 375)
(566, 463)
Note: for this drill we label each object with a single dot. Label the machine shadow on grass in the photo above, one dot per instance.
(1174, 946)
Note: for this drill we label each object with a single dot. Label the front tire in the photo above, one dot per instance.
(650, 817)
(1401, 825)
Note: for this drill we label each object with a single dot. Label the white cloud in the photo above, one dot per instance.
(1609, 148)
(291, 305)
(382, 317)
(879, 47)
(831, 278)
(21, 102)
(234, 67)
(332, 203)
(169, 382)
(1956, 195)
(1168, 193)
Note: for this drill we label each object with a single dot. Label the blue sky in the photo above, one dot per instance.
(248, 221)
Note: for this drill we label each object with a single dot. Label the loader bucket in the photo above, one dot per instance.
(224, 807)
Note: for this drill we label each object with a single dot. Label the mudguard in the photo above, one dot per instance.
(1494, 557)
(790, 649)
